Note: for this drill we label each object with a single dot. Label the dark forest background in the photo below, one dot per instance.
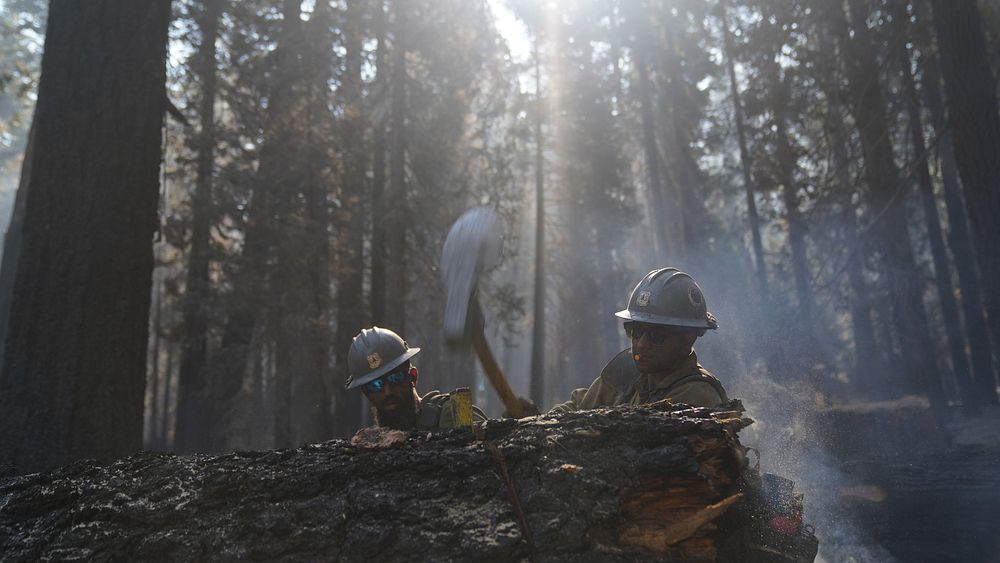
(828, 171)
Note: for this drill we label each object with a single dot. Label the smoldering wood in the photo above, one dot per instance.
(664, 482)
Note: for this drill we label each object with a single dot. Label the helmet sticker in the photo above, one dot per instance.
(643, 298)
(374, 360)
(695, 296)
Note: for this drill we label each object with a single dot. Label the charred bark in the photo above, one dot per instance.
(665, 482)
(12, 244)
(74, 368)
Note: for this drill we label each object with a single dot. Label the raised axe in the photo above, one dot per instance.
(472, 246)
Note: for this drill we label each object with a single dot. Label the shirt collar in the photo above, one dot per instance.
(664, 379)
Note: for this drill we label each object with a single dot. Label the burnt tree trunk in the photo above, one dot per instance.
(663, 483)
(12, 244)
(74, 370)
(971, 94)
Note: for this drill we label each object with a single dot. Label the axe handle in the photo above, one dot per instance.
(495, 376)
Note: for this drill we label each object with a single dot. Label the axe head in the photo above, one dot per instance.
(472, 246)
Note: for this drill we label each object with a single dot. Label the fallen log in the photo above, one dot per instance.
(664, 482)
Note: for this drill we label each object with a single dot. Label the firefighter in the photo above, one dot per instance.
(666, 313)
(379, 363)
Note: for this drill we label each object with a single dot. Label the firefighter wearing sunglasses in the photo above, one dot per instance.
(666, 313)
(379, 363)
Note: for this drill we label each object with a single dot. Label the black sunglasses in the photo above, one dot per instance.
(656, 334)
(394, 378)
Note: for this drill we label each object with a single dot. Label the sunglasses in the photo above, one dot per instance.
(656, 334)
(394, 378)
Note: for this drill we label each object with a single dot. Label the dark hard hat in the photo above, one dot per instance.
(375, 352)
(668, 296)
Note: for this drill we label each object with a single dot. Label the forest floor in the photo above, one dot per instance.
(907, 489)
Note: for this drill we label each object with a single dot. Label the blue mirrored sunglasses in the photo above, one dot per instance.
(393, 378)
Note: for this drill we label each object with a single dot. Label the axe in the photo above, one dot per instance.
(472, 246)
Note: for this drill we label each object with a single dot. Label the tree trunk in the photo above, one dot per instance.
(975, 126)
(194, 338)
(786, 160)
(12, 244)
(942, 269)
(663, 483)
(665, 237)
(537, 384)
(168, 420)
(74, 370)
(868, 361)
(396, 212)
(153, 375)
(889, 236)
(746, 165)
(959, 238)
(351, 316)
(378, 202)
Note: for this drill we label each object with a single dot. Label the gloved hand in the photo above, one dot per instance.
(528, 408)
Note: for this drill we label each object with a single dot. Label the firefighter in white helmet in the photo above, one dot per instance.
(666, 313)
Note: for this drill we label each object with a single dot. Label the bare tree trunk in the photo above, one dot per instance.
(665, 237)
(350, 217)
(168, 422)
(867, 359)
(787, 159)
(869, 370)
(152, 407)
(12, 243)
(396, 211)
(889, 232)
(959, 238)
(942, 269)
(746, 165)
(537, 384)
(975, 125)
(379, 222)
(74, 370)
(194, 338)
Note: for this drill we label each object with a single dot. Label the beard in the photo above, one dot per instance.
(403, 417)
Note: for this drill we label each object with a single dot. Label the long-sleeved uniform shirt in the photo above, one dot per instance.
(620, 383)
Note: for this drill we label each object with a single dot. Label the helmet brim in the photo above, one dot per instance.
(661, 320)
(383, 369)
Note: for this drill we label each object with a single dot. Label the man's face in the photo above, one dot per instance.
(658, 348)
(392, 395)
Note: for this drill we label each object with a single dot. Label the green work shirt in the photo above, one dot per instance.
(620, 383)
(436, 412)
